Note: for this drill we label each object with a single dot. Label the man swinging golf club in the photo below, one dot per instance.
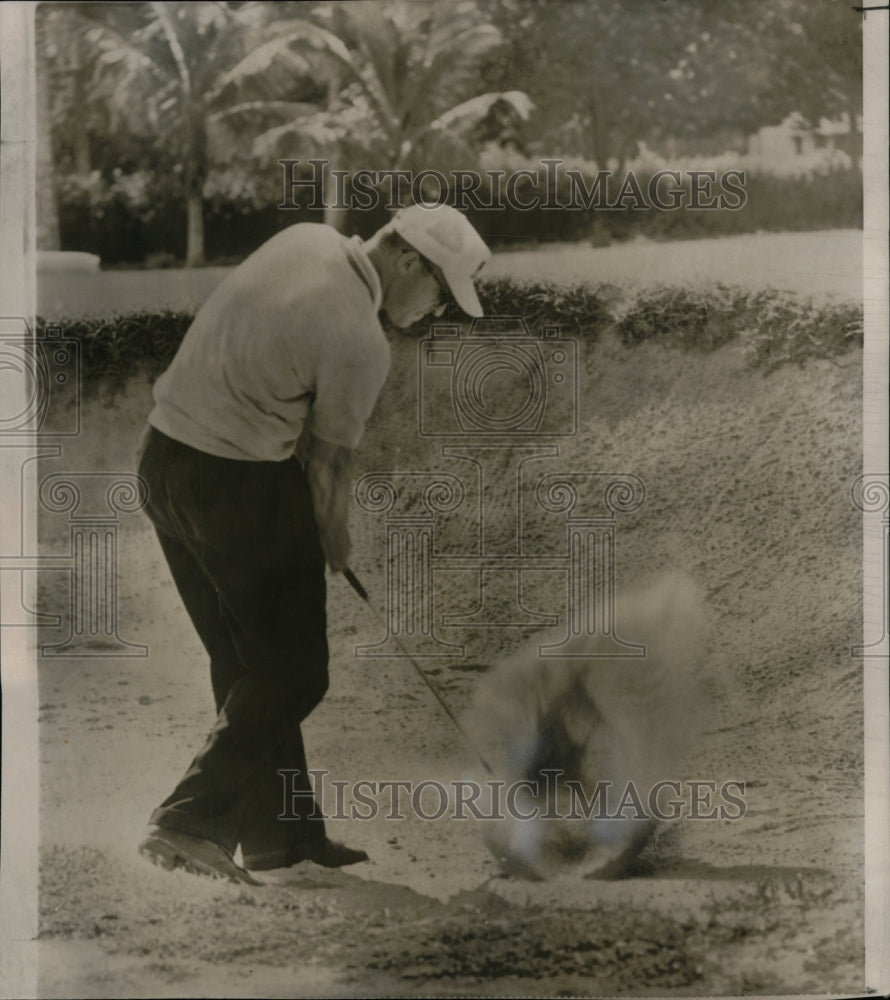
(247, 462)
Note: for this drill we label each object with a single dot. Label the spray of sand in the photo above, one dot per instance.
(593, 720)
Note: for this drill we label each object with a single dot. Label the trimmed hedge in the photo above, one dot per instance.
(114, 348)
(577, 309)
(775, 328)
(779, 329)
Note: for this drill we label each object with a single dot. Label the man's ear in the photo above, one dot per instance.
(407, 260)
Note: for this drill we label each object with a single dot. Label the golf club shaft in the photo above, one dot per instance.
(353, 582)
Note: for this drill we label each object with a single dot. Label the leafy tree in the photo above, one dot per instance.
(595, 70)
(162, 69)
(67, 111)
(605, 75)
(385, 85)
(753, 62)
(224, 89)
(402, 84)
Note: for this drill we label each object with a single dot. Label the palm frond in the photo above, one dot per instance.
(269, 67)
(469, 113)
(325, 43)
(448, 73)
(314, 135)
(263, 108)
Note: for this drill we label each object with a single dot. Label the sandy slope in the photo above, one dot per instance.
(747, 481)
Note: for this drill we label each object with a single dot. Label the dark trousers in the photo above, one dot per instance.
(242, 544)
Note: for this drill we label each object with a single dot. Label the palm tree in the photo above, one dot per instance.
(402, 79)
(392, 84)
(163, 67)
(62, 70)
(152, 64)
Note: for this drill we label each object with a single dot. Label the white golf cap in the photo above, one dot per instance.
(445, 237)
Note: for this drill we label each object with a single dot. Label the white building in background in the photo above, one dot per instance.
(776, 146)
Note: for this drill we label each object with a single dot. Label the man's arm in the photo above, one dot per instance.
(329, 468)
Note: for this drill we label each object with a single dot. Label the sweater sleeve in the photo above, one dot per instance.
(349, 376)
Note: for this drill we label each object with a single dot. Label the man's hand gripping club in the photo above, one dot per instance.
(329, 468)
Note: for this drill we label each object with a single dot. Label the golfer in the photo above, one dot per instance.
(248, 465)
